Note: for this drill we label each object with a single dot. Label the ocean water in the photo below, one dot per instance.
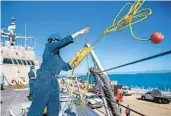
(161, 81)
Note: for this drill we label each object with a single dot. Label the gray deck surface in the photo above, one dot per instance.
(9, 97)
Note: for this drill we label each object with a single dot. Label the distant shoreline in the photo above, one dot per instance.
(132, 72)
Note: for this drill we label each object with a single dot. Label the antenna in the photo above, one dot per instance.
(25, 33)
(35, 43)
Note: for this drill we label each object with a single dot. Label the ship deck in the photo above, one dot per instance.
(15, 98)
(9, 96)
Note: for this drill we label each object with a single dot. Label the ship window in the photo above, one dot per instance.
(28, 62)
(7, 61)
(32, 63)
(15, 61)
(24, 62)
(19, 61)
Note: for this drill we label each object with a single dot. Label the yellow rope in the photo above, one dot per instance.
(134, 15)
(82, 98)
(71, 93)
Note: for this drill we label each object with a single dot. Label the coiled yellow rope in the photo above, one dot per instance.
(134, 15)
(79, 56)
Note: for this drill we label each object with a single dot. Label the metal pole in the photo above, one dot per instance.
(25, 33)
(99, 65)
(100, 83)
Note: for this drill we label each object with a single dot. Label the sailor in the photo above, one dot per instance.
(32, 77)
(46, 85)
(127, 110)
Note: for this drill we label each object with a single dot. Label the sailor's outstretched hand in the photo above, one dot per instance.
(81, 32)
(84, 30)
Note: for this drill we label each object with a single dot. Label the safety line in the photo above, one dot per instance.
(125, 107)
(137, 61)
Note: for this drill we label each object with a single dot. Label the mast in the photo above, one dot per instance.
(25, 34)
(11, 35)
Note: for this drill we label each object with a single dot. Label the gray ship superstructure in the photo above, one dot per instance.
(16, 59)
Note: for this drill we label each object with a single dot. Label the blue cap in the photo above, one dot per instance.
(32, 67)
(55, 36)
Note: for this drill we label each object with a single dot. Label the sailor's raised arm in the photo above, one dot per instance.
(67, 40)
(61, 43)
(81, 32)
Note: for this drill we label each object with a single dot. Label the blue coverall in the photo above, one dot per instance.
(32, 78)
(46, 85)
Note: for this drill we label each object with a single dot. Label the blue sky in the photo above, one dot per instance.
(44, 18)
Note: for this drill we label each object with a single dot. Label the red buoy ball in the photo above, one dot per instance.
(157, 37)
